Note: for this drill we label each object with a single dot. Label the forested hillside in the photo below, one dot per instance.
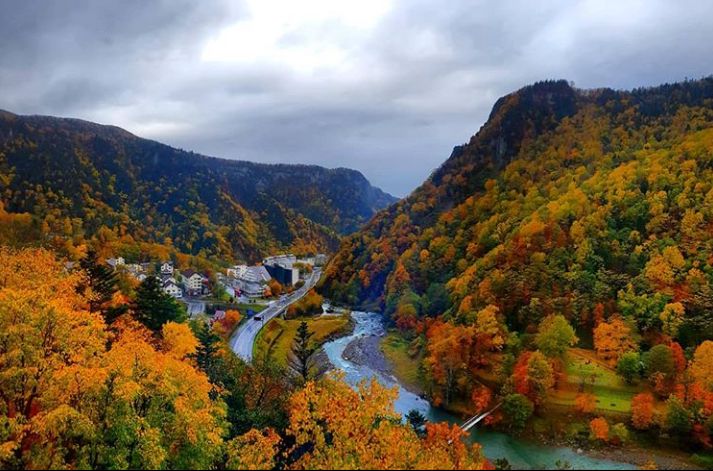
(81, 180)
(573, 218)
(565, 200)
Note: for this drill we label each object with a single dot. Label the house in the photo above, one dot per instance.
(281, 268)
(116, 262)
(167, 268)
(237, 271)
(171, 288)
(287, 276)
(251, 281)
(194, 282)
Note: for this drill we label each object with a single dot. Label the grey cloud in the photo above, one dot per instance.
(403, 92)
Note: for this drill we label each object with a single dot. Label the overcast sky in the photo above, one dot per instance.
(387, 87)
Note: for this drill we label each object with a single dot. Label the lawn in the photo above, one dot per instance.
(405, 367)
(278, 335)
(584, 372)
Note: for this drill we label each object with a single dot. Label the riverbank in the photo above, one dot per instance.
(388, 355)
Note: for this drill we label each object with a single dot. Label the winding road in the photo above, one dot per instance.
(244, 337)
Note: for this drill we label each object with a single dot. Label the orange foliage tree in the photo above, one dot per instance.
(612, 339)
(642, 411)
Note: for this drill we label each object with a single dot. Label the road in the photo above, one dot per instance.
(244, 337)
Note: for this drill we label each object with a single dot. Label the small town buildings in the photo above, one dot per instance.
(167, 268)
(251, 281)
(115, 263)
(282, 269)
(170, 287)
(194, 282)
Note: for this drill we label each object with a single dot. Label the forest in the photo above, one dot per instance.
(95, 379)
(569, 238)
(141, 199)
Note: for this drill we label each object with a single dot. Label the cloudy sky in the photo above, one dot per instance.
(387, 87)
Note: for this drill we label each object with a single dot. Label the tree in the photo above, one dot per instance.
(678, 418)
(79, 397)
(302, 352)
(619, 434)
(154, 308)
(642, 411)
(612, 339)
(334, 426)
(448, 352)
(533, 376)
(207, 350)
(599, 429)
(555, 336)
(517, 410)
(660, 367)
(672, 318)
(701, 367)
(102, 283)
(585, 403)
(629, 366)
(178, 340)
(417, 421)
(253, 450)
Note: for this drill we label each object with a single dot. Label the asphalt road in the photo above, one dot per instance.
(244, 337)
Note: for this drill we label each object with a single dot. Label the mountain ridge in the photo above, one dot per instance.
(252, 208)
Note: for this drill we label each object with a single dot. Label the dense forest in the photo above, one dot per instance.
(572, 218)
(93, 378)
(81, 180)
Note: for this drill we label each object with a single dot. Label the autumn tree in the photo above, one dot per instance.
(642, 411)
(585, 403)
(254, 450)
(701, 367)
(599, 429)
(555, 336)
(335, 427)
(447, 356)
(533, 376)
(612, 339)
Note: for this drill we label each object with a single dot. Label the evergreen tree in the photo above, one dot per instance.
(102, 281)
(154, 308)
(207, 352)
(417, 421)
(302, 351)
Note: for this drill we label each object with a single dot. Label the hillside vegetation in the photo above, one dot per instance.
(80, 180)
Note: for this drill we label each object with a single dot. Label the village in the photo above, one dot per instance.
(205, 292)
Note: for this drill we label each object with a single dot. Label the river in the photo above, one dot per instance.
(521, 454)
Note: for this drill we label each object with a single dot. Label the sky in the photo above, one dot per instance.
(387, 87)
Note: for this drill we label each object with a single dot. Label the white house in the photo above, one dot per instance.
(116, 262)
(194, 281)
(167, 268)
(169, 287)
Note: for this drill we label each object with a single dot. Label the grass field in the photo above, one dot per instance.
(405, 367)
(585, 372)
(279, 334)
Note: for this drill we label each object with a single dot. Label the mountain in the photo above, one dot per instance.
(585, 203)
(80, 179)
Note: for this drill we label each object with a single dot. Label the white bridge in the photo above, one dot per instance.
(473, 421)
